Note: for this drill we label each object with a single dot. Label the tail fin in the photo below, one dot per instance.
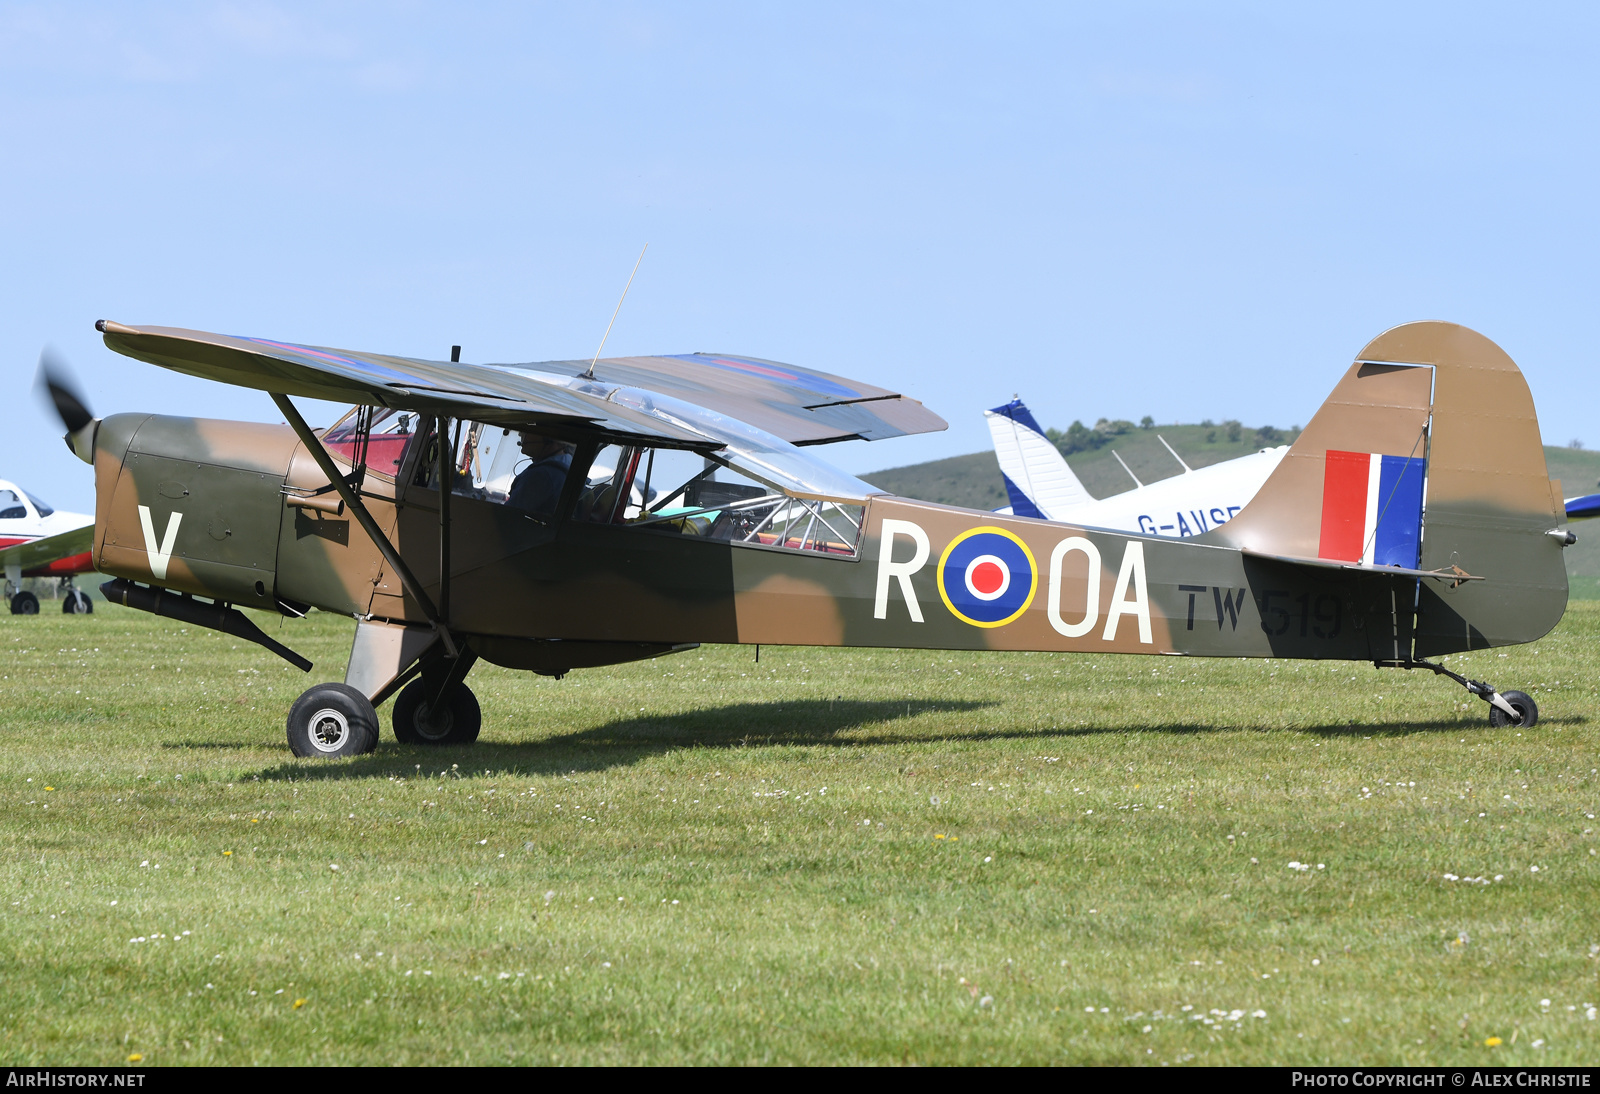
(1037, 479)
(1426, 457)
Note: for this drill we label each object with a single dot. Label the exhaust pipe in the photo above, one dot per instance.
(215, 616)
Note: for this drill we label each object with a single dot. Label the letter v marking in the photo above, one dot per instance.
(159, 556)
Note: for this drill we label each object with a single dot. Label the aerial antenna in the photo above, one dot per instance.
(588, 373)
(1128, 469)
(1174, 451)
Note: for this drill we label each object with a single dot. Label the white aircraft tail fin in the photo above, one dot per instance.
(1038, 480)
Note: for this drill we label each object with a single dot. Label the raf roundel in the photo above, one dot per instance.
(987, 577)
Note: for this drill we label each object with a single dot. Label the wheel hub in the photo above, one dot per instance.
(329, 730)
(433, 724)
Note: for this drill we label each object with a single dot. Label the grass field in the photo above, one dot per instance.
(829, 856)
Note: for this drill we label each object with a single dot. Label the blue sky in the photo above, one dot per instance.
(1181, 210)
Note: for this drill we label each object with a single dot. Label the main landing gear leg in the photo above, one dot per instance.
(74, 601)
(22, 601)
(1506, 708)
(438, 708)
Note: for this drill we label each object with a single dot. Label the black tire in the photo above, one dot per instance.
(24, 603)
(459, 725)
(331, 721)
(1525, 706)
(76, 602)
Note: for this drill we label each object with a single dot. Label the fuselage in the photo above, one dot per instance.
(229, 510)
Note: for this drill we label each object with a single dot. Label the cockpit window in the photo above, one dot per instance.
(11, 507)
(669, 490)
(44, 510)
(611, 494)
(524, 469)
(392, 431)
(664, 490)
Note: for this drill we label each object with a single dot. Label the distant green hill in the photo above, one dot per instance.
(973, 481)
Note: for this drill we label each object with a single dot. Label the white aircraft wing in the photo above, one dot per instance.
(47, 549)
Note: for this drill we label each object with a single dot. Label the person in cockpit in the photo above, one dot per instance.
(537, 488)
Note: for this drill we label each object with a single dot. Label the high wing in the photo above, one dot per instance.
(47, 549)
(753, 413)
(803, 406)
(798, 405)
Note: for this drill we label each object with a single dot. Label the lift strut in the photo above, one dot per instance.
(368, 524)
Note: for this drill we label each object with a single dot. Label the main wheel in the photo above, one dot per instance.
(77, 602)
(1524, 705)
(456, 724)
(24, 603)
(331, 721)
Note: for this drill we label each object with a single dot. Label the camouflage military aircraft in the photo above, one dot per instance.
(562, 515)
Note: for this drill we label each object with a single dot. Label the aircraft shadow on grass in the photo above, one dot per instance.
(626, 741)
(1467, 727)
(812, 722)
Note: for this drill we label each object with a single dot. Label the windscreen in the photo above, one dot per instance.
(392, 430)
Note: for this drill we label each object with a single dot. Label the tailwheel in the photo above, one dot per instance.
(76, 602)
(456, 722)
(24, 603)
(1525, 706)
(331, 721)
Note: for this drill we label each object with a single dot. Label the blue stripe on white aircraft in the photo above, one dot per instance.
(1041, 484)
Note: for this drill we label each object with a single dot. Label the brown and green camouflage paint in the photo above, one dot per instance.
(1252, 587)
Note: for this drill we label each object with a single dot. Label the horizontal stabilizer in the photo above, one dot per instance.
(1456, 576)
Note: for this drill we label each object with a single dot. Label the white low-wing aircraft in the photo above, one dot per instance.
(38, 541)
(1040, 484)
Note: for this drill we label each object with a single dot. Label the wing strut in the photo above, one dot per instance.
(368, 524)
(446, 483)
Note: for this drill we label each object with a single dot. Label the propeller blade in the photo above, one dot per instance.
(57, 379)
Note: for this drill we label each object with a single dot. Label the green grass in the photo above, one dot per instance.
(642, 865)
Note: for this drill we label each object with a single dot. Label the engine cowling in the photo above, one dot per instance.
(191, 504)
